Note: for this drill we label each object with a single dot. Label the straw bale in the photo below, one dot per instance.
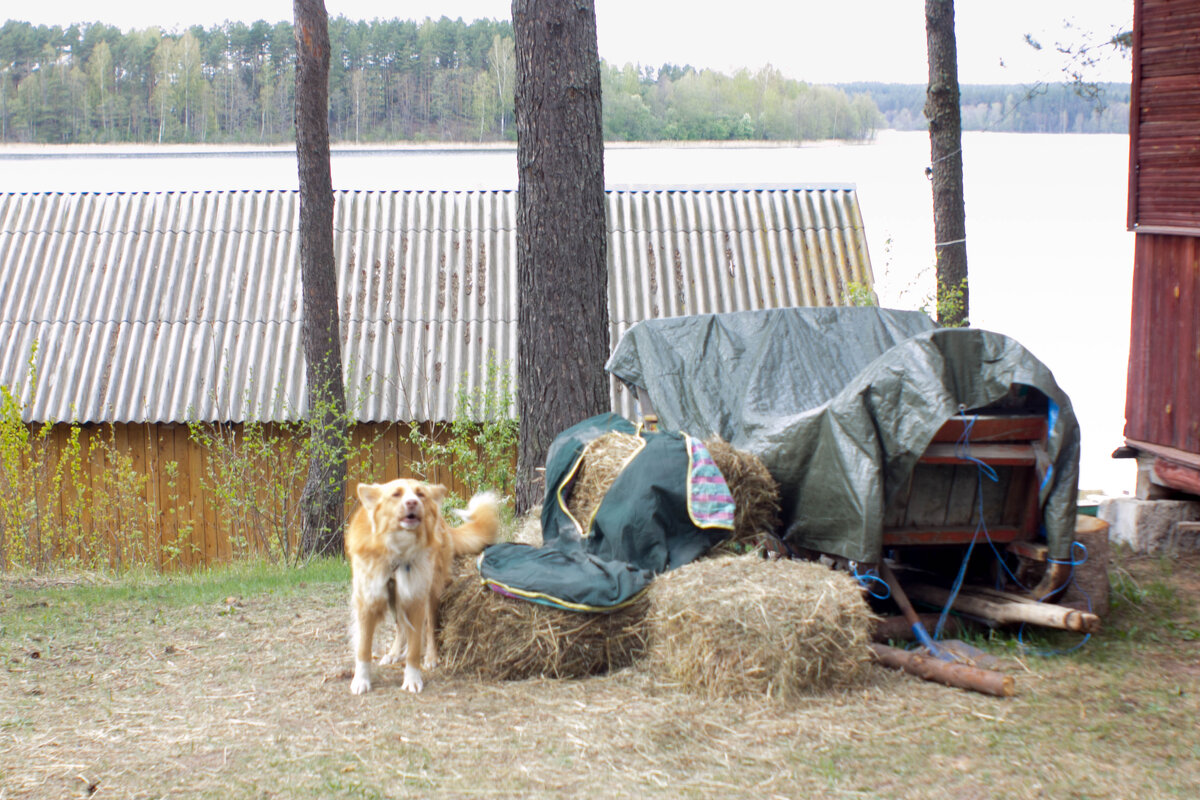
(602, 460)
(487, 635)
(743, 625)
(755, 492)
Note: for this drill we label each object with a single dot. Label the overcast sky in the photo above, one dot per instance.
(820, 41)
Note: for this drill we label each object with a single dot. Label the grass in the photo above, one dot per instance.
(234, 683)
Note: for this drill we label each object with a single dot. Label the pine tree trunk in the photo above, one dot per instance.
(322, 503)
(562, 269)
(945, 144)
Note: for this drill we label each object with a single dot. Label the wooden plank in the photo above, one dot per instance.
(1166, 452)
(894, 516)
(995, 454)
(1001, 534)
(131, 439)
(1032, 551)
(206, 514)
(1021, 481)
(52, 453)
(994, 494)
(163, 444)
(1135, 90)
(1188, 388)
(993, 428)
(87, 434)
(931, 486)
(224, 538)
(962, 507)
(193, 515)
(1183, 477)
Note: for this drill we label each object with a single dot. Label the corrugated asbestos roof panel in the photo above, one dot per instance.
(169, 307)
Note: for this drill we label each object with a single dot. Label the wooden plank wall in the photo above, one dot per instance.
(148, 490)
(1162, 401)
(1164, 182)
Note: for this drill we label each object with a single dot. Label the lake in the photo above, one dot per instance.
(1049, 258)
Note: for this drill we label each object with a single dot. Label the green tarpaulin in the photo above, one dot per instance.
(668, 506)
(840, 403)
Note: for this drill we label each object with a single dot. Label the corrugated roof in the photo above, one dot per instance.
(168, 307)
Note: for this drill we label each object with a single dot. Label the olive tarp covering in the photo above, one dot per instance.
(642, 527)
(840, 403)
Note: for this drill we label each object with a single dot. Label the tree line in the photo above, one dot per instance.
(441, 80)
(1013, 108)
(235, 82)
(389, 80)
(682, 103)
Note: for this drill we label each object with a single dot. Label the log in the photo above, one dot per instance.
(929, 668)
(899, 629)
(910, 614)
(1003, 608)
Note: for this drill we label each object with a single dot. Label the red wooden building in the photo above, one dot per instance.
(1162, 406)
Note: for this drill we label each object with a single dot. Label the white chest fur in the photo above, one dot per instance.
(412, 567)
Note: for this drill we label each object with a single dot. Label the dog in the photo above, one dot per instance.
(401, 549)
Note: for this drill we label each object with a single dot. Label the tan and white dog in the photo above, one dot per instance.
(401, 549)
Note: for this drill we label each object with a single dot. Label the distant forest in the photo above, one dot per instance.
(436, 80)
(1038, 108)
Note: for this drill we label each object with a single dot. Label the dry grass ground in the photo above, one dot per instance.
(236, 685)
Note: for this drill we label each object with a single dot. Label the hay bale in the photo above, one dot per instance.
(755, 492)
(487, 635)
(603, 459)
(744, 625)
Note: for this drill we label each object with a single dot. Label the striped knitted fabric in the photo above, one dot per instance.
(709, 499)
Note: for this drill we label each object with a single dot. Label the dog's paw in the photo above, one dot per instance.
(430, 661)
(412, 680)
(361, 683)
(392, 656)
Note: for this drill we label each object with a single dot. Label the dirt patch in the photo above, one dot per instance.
(250, 698)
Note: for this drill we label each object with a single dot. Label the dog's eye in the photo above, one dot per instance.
(421, 493)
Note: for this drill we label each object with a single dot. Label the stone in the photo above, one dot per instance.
(1150, 526)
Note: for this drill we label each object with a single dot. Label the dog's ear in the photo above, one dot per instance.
(369, 494)
(437, 491)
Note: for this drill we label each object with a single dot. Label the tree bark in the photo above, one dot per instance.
(929, 668)
(323, 500)
(945, 144)
(562, 268)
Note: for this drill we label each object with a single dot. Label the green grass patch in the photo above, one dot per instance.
(39, 601)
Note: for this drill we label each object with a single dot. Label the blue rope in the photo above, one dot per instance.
(1073, 563)
(962, 451)
(867, 579)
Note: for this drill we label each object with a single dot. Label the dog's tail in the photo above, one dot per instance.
(482, 524)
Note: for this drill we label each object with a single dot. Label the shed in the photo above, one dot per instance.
(131, 315)
(1162, 406)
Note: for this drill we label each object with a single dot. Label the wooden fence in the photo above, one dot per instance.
(156, 494)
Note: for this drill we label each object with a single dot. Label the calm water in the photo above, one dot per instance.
(1050, 260)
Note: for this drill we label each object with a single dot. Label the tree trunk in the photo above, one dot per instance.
(323, 500)
(945, 144)
(562, 269)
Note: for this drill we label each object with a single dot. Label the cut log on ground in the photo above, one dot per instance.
(932, 669)
(1004, 608)
(899, 629)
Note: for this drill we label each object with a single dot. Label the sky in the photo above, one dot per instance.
(818, 41)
